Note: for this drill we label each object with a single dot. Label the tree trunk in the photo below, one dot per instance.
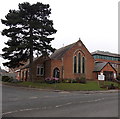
(31, 57)
(31, 65)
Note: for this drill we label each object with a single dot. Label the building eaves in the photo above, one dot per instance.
(105, 53)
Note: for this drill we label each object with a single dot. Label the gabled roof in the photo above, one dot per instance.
(58, 54)
(27, 63)
(100, 65)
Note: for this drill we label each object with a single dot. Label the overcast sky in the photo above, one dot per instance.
(95, 22)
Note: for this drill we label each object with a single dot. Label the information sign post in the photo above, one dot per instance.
(101, 79)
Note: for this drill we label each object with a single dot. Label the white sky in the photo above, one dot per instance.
(94, 21)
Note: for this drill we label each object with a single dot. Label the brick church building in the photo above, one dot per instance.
(69, 62)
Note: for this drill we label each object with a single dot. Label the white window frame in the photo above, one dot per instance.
(40, 69)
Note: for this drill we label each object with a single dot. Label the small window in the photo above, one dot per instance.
(40, 70)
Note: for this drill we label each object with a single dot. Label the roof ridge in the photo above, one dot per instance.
(66, 46)
(58, 54)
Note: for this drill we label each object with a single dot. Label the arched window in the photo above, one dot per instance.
(75, 64)
(56, 73)
(83, 65)
(79, 63)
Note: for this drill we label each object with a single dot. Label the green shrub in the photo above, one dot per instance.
(111, 87)
(63, 80)
(77, 80)
(74, 81)
(5, 78)
(39, 81)
(11, 79)
(68, 80)
(118, 78)
(8, 79)
(52, 80)
(81, 80)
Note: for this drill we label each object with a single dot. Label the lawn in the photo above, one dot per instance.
(89, 86)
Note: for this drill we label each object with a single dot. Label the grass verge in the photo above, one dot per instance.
(89, 86)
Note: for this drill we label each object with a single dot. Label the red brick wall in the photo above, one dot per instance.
(68, 62)
(108, 68)
(39, 61)
(48, 68)
(95, 75)
(54, 64)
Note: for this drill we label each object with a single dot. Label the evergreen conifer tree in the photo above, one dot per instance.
(29, 29)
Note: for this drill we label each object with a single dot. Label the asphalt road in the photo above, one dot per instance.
(24, 102)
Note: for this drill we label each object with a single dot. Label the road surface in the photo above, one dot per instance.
(25, 102)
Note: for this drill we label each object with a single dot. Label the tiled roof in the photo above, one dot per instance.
(58, 54)
(27, 63)
(105, 53)
(99, 66)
